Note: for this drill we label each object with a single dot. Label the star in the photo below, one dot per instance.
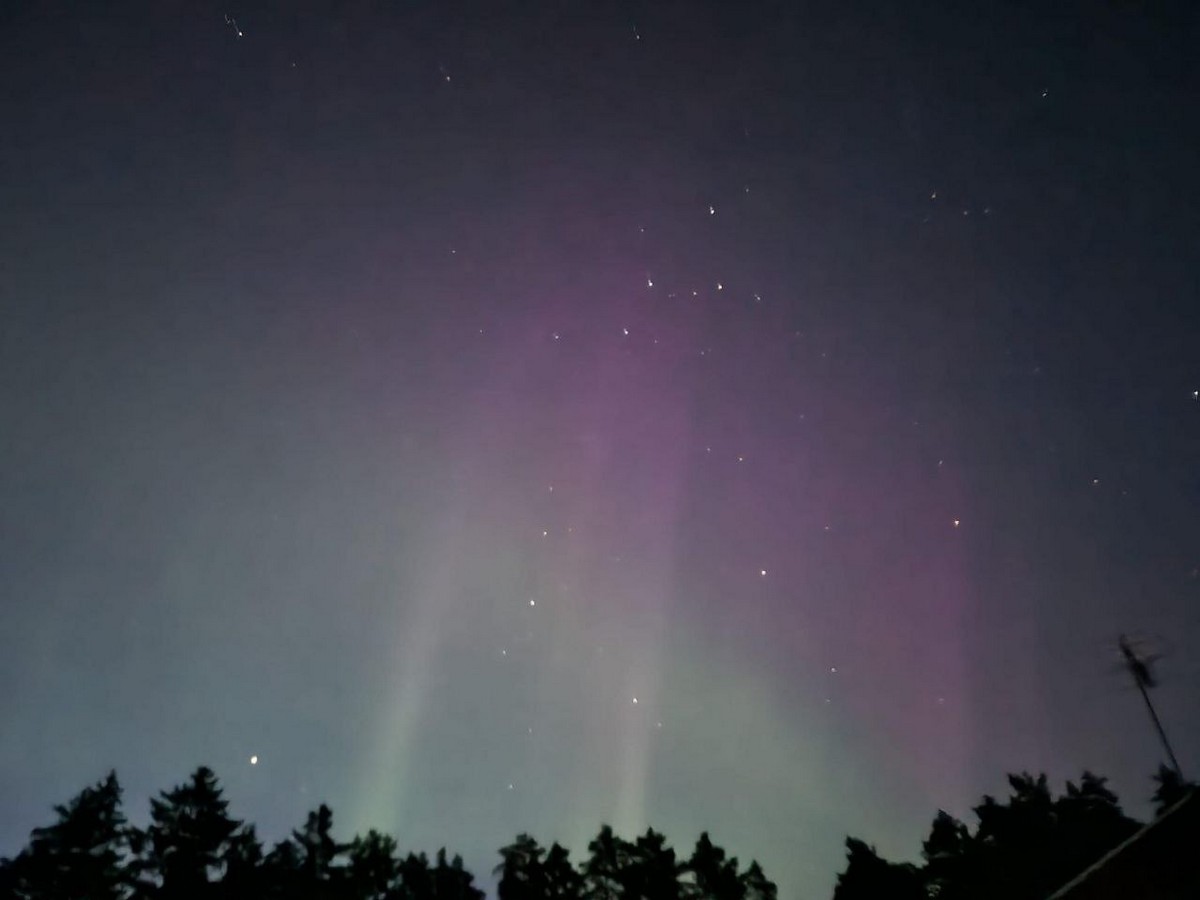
(532, 602)
(635, 701)
(254, 760)
(712, 210)
(956, 523)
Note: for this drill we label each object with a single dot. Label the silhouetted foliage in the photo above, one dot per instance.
(522, 871)
(756, 885)
(244, 875)
(563, 881)
(1021, 849)
(1171, 789)
(186, 850)
(868, 877)
(602, 869)
(713, 876)
(373, 871)
(946, 854)
(82, 856)
(650, 869)
(452, 881)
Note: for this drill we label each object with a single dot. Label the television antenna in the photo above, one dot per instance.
(1139, 662)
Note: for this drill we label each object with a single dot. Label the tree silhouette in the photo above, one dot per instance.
(283, 870)
(303, 865)
(562, 880)
(373, 872)
(522, 871)
(244, 876)
(317, 846)
(650, 870)
(1171, 788)
(1022, 849)
(602, 870)
(188, 844)
(1088, 823)
(946, 854)
(756, 885)
(416, 878)
(713, 877)
(869, 877)
(81, 856)
(451, 881)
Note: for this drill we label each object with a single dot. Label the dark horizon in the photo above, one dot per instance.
(192, 846)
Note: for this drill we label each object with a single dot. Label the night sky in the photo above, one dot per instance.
(760, 418)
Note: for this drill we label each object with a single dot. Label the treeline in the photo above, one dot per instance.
(193, 849)
(1022, 849)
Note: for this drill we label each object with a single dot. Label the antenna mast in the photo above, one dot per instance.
(1139, 668)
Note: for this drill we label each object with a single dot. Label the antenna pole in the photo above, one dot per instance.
(1141, 677)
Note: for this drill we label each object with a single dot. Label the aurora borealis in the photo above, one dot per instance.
(759, 419)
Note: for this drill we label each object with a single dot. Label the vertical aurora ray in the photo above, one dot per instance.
(560, 528)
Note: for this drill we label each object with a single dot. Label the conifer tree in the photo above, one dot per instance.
(372, 870)
(186, 848)
(1171, 789)
(521, 870)
(713, 876)
(81, 856)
